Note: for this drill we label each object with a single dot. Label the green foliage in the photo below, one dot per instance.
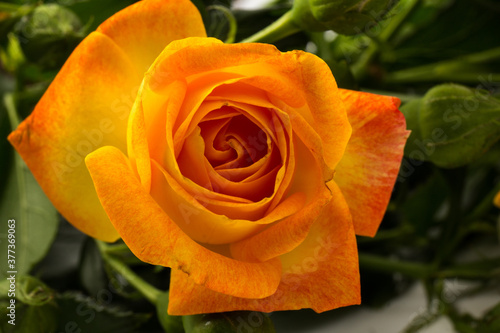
(24, 201)
(78, 311)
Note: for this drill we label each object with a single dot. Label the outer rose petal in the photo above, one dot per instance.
(321, 273)
(145, 28)
(87, 105)
(76, 115)
(153, 237)
(368, 170)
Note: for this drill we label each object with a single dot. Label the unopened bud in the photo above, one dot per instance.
(452, 125)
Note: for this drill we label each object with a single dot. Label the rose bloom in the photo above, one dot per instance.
(244, 169)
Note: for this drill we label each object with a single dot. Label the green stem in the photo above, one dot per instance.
(279, 29)
(231, 35)
(20, 10)
(10, 105)
(151, 293)
(382, 264)
(464, 69)
(117, 249)
(403, 9)
(451, 234)
(482, 269)
(387, 235)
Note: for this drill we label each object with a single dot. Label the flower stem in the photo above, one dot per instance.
(231, 35)
(279, 29)
(402, 10)
(10, 105)
(383, 264)
(463, 69)
(148, 291)
(451, 233)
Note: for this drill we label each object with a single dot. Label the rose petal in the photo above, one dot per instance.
(81, 111)
(286, 235)
(143, 29)
(137, 144)
(88, 103)
(321, 273)
(294, 78)
(153, 237)
(202, 224)
(368, 170)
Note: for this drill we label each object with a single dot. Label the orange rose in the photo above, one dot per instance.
(242, 168)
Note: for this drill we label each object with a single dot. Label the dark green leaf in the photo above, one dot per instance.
(92, 274)
(79, 312)
(421, 206)
(32, 310)
(36, 220)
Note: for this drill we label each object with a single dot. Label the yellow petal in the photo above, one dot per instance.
(81, 111)
(145, 28)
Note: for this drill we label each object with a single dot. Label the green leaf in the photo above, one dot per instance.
(91, 272)
(84, 313)
(225, 322)
(38, 319)
(422, 204)
(33, 309)
(36, 220)
(171, 324)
